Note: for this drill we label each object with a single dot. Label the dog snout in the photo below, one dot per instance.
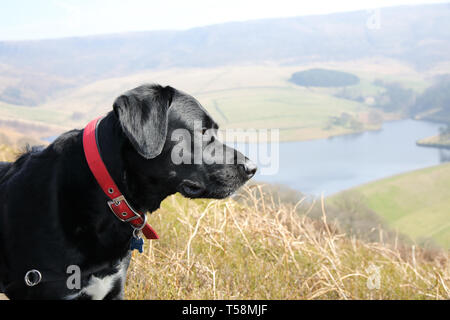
(248, 168)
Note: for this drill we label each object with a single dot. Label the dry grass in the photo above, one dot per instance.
(7, 153)
(257, 249)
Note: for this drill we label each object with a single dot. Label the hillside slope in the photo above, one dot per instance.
(31, 71)
(244, 97)
(261, 250)
(416, 203)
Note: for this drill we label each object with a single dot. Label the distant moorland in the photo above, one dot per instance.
(31, 72)
(240, 72)
(241, 97)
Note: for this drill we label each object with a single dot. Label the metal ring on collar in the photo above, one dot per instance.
(142, 225)
(33, 277)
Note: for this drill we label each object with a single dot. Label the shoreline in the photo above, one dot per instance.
(433, 145)
(295, 138)
(437, 141)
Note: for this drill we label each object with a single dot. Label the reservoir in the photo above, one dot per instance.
(331, 165)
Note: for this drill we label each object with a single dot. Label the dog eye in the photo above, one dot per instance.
(204, 130)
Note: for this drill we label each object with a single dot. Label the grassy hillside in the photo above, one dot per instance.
(416, 203)
(298, 113)
(434, 103)
(261, 250)
(10, 111)
(252, 96)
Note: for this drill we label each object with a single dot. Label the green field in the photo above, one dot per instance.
(416, 203)
(259, 96)
(299, 113)
(35, 114)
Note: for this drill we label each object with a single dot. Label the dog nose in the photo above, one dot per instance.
(249, 168)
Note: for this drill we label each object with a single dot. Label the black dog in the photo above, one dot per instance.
(53, 214)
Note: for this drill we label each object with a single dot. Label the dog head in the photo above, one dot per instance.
(174, 144)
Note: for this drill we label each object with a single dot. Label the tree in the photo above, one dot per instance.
(323, 78)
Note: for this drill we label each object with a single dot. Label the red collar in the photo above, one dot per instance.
(118, 204)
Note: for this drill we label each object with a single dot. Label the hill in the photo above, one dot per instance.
(416, 203)
(239, 71)
(231, 250)
(241, 97)
(434, 103)
(33, 71)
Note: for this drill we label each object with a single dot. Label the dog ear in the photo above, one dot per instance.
(143, 116)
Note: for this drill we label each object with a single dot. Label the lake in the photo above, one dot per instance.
(335, 164)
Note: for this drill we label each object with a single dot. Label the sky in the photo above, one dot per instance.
(40, 19)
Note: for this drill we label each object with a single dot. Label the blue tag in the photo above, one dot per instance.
(137, 244)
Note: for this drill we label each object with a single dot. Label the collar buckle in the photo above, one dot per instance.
(116, 201)
(121, 209)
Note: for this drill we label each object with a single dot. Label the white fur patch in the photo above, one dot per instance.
(98, 288)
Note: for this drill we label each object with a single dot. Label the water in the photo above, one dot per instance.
(332, 165)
